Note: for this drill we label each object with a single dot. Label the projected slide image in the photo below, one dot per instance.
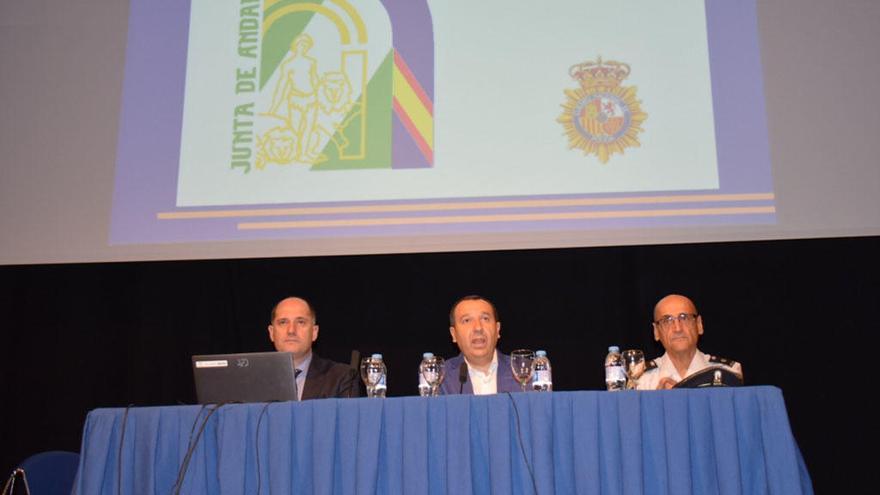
(298, 88)
(310, 119)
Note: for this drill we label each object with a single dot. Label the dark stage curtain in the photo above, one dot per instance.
(799, 315)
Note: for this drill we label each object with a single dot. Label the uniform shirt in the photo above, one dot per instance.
(485, 383)
(665, 368)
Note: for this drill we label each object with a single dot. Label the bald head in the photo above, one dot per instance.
(673, 301)
(295, 300)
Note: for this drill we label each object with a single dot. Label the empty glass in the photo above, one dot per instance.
(634, 365)
(521, 365)
(372, 373)
(433, 369)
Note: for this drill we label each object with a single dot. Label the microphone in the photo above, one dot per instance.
(462, 376)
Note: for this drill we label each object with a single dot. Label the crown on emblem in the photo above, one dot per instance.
(597, 73)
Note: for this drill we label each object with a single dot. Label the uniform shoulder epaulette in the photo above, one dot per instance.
(720, 360)
(650, 365)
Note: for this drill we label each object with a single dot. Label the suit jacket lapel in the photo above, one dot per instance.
(314, 378)
(506, 381)
(469, 384)
(468, 387)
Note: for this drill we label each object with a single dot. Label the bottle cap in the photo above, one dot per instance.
(541, 353)
(427, 355)
(614, 348)
(377, 356)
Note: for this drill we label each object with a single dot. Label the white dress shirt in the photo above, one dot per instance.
(484, 383)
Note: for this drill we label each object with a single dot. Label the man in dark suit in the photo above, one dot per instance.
(293, 328)
(474, 327)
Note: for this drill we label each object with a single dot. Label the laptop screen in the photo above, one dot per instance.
(249, 377)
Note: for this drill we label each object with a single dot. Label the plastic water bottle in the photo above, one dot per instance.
(615, 375)
(542, 380)
(381, 387)
(424, 388)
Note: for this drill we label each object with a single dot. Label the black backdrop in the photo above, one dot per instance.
(799, 315)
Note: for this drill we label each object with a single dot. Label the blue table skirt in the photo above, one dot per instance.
(719, 441)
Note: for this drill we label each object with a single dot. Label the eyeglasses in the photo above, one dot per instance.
(685, 319)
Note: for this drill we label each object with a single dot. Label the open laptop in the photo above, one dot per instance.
(250, 377)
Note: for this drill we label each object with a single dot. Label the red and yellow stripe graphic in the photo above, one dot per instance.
(413, 107)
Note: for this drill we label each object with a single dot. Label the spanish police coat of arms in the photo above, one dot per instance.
(601, 117)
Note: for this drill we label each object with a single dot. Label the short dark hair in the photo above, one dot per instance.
(472, 297)
(312, 311)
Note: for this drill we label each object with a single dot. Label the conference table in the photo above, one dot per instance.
(698, 441)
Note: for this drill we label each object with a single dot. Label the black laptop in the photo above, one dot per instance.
(250, 377)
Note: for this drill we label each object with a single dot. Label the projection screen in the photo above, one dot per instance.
(190, 129)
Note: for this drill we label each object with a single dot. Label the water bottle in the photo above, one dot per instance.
(424, 388)
(615, 375)
(542, 380)
(379, 368)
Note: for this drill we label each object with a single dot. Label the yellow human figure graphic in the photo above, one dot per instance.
(295, 97)
(315, 108)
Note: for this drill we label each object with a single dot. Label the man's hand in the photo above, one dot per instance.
(666, 383)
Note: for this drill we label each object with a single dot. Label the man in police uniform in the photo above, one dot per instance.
(678, 326)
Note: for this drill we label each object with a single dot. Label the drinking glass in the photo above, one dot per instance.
(434, 370)
(521, 364)
(371, 373)
(634, 365)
